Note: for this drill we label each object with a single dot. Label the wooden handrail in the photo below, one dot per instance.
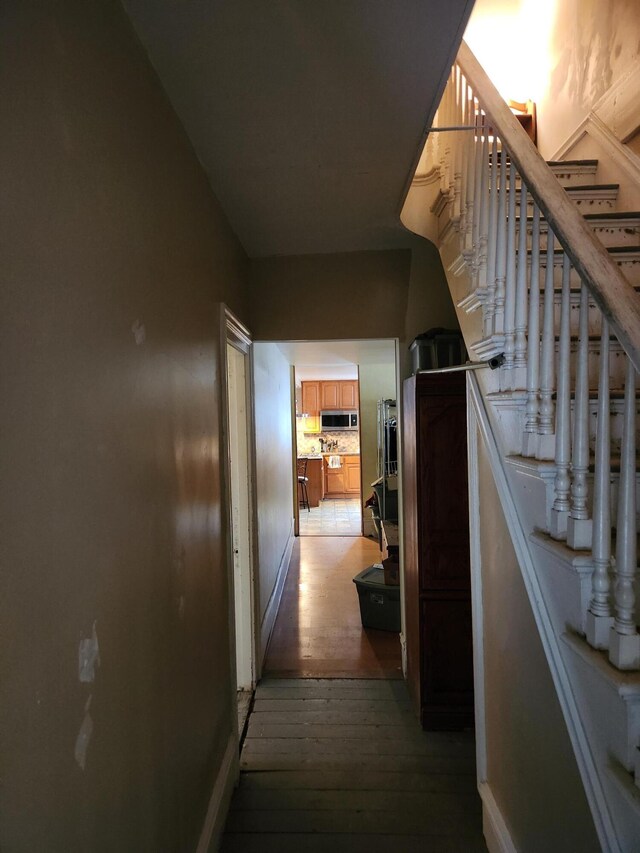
(612, 293)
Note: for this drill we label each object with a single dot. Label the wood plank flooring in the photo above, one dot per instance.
(318, 632)
(342, 765)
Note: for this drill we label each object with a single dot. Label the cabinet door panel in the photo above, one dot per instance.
(330, 395)
(311, 398)
(447, 663)
(348, 395)
(444, 519)
(352, 477)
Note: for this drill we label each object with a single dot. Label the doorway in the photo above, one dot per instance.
(241, 517)
(327, 450)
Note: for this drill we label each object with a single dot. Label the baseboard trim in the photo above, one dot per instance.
(496, 832)
(220, 799)
(269, 618)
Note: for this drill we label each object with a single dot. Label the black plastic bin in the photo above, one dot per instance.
(379, 603)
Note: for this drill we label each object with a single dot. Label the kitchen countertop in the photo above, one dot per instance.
(333, 453)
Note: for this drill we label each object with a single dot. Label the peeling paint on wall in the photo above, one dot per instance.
(84, 736)
(139, 332)
(88, 657)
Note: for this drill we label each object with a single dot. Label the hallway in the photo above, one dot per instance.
(342, 765)
(334, 758)
(318, 632)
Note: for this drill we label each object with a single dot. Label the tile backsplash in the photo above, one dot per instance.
(348, 441)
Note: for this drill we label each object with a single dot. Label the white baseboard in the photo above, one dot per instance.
(269, 619)
(220, 798)
(496, 832)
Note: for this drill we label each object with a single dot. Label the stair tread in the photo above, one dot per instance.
(609, 215)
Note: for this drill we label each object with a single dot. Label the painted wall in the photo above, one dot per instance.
(377, 382)
(115, 254)
(575, 51)
(429, 302)
(329, 297)
(274, 466)
(531, 767)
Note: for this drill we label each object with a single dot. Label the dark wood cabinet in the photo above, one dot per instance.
(436, 550)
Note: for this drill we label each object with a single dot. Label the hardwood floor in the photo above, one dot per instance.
(318, 632)
(342, 765)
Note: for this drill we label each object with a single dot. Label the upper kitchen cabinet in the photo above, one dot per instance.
(339, 394)
(349, 394)
(311, 398)
(330, 395)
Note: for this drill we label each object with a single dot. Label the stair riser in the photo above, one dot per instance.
(629, 266)
(595, 315)
(572, 175)
(616, 233)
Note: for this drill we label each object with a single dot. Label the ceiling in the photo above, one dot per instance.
(336, 359)
(307, 115)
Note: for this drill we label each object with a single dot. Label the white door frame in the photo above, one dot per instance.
(239, 484)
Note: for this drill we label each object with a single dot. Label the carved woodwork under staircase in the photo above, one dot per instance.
(544, 268)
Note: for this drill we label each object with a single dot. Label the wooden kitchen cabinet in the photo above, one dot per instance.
(330, 395)
(349, 394)
(334, 395)
(333, 479)
(314, 484)
(437, 586)
(351, 474)
(311, 399)
(343, 481)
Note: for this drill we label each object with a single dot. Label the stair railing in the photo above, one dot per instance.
(489, 168)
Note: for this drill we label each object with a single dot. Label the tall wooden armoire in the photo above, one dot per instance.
(436, 550)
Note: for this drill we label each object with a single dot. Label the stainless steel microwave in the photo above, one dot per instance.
(332, 421)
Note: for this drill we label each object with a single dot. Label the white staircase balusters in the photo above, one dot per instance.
(489, 305)
(457, 148)
(520, 354)
(579, 523)
(546, 442)
(624, 640)
(562, 503)
(510, 281)
(483, 203)
(530, 438)
(475, 231)
(467, 245)
(599, 618)
(501, 246)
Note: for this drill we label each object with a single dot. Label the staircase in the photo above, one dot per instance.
(545, 269)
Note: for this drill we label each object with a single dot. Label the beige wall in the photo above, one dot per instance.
(115, 254)
(329, 297)
(274, 463)
(575, 51)
(532, 771)
(429, 302)
(592, 43)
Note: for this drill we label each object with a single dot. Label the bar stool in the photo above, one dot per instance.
(303, 494)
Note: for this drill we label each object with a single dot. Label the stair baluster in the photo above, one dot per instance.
(530, 443)
(489, 305)
(483, 202)
(510, 284)
(624, 640)
(562, 503)
(579, 523)
(470, 161)
(457, 149)
(599, 619)
(520, 360)
(546, 442)
(501, 247)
